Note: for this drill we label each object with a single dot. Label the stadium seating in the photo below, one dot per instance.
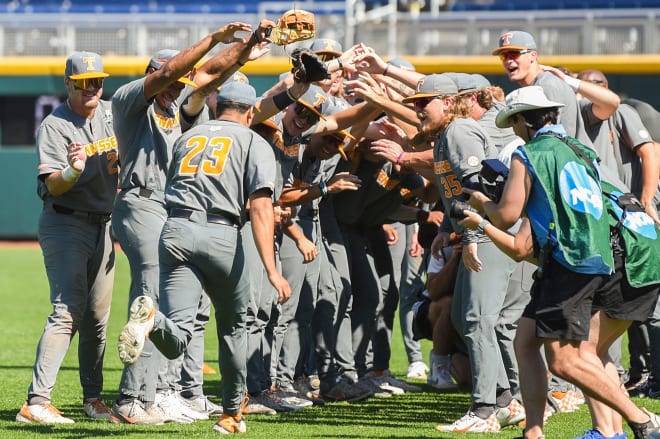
(521, 5)
(150, 6)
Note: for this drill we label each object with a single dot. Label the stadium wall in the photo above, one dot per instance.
(30, 77)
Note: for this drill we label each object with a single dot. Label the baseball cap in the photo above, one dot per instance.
(326, 45)
(402, 63)
(516, 40)
(523, 99)
(434, 85)
(238, 77)
(315, 99)
(161, 57)
(84, 65)
(238, 92)
(464, 81)
(481, 81)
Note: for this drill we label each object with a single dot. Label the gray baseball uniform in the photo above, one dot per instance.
(478, 296)
(145, 135)
(77, 248)
(262, 296)
(215, 167)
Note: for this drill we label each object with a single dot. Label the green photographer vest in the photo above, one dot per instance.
(640, 238)
(571, 190)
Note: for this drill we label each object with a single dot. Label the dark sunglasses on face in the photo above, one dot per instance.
(421, 103)
(512, 54)
(83, 84)
(306, 113)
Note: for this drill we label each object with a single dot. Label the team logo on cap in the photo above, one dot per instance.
(419, 84)
(504, 39)
(89, 60)
(320, 99)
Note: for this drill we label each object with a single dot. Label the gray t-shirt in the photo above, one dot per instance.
(615, 140)
(216, 166)
(96, 189)
(145, 135)
(499, 137)
(569, 115)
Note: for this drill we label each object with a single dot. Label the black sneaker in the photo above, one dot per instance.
(648, 389)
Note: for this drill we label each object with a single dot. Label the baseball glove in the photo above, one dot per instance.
(308, 67)
(294, 25)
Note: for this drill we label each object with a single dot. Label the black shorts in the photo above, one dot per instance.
(561, 302)
(621, 301)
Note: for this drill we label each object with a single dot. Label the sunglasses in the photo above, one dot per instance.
(512, 54)
(83, 84)
(421, 103)
(306, 113)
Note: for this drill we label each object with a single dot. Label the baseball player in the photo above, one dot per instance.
(216, 169)
(149, 117)
(77, 153)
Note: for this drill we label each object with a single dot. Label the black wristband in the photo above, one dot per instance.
(422, 216)
(241, 64)
(282, 100)
(254, 39)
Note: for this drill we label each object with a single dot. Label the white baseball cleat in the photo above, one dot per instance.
(140, 323)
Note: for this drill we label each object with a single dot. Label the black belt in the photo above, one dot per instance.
(145, 193)
(92, 218)
(214, 218)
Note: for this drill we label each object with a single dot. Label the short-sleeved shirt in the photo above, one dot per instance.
(569, 115)
(216, 166)
(145, 135)
(457, 155)
(96, 188)
(499, 137)
(306, 172)
(615, 140)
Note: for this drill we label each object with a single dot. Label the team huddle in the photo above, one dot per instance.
(305, 216)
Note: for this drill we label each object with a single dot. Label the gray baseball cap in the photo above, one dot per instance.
(464, 81)
(401, 63)
(481, 81)
(315, 99)
(523, 99)
(84, 65)
(161, 57)
(326, 45)
(434, 85)
(239, 92)
(515, 40)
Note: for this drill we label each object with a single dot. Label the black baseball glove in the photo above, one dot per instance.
(308, 67)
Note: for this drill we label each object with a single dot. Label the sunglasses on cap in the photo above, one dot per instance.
(327, 56)
(83, 84)
(306, 113)
(513, 54)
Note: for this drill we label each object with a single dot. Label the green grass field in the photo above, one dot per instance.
(25, 294)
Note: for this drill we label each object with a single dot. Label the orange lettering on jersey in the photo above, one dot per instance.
(405, 193)
(381, 178)
(167, 123)
(441, 167)
(101, 146)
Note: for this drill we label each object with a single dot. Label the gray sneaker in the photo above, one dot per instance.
(368, 383)
(345, 391)
(134, 413)
(203, 404)
(259, 405)
(292, 397)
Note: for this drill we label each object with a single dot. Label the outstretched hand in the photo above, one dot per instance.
(226, 34)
